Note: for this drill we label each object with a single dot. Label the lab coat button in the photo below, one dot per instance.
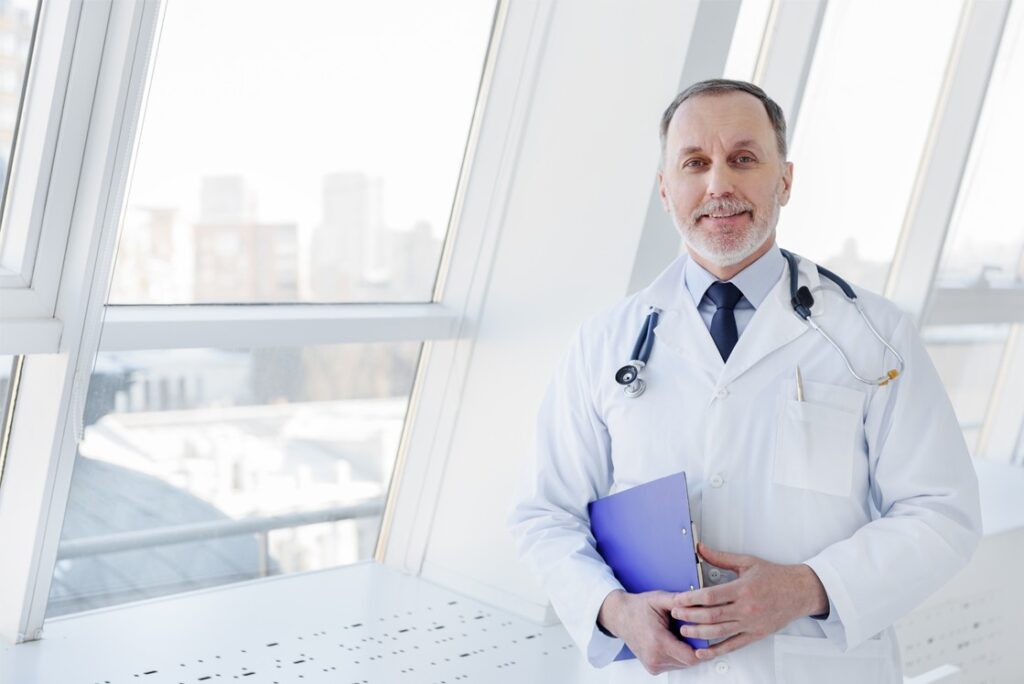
(717, 481)
(721, 667)
(714, 574)
(721, 393)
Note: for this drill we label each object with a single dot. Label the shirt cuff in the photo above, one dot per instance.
(830, 623)
(828, 612)
(602, 646)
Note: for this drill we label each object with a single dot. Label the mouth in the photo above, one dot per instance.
(725, 218)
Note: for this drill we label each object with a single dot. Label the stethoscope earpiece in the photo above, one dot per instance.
(804, 296)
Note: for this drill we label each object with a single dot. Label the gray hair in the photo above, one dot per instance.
(719, 86)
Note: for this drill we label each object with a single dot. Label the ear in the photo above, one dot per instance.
(662, 192)
(785, 183)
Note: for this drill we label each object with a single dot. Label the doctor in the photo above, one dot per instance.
(828, 508)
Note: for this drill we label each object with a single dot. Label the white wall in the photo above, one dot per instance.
(567, 247)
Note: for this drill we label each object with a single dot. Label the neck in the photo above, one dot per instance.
(725, 273)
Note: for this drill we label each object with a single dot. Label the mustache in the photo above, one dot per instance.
(724, 205)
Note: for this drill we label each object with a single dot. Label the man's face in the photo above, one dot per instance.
(723, 179)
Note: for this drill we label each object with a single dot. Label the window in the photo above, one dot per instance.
(205, 466)
(17, 22)
(318, 167)
(310, 158)
(862, 130)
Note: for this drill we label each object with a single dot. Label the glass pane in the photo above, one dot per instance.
(6, 370)
(312, 157)
(986, 243)
(220, 462)
(858, 142)
(968, 359)
(6, 373)
(17, 21)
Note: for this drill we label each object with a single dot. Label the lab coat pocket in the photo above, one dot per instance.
(815, 448)
(812, 660)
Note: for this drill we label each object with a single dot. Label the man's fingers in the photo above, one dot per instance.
(723, 559)
(706, 616)
(663, 600)
(727, 646)
(712, 596)
(718, 630)
(677, 650)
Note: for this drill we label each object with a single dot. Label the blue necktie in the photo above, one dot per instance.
(723, 325)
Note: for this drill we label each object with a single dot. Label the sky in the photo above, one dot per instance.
(286, 92)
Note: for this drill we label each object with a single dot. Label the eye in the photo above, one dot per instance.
(745, 159)
(693, 163)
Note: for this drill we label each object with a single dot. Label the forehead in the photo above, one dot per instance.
(722, 117)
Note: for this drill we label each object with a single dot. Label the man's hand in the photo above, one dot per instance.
(762, 600)
(642, 621)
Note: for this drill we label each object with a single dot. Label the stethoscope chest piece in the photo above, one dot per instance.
(629, 377)
(628, 373)
(635, 388)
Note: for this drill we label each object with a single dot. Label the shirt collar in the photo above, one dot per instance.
(755, 281)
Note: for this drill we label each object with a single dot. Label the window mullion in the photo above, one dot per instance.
(47, 417)
(786, 55)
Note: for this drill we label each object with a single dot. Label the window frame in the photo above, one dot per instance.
(110, 49)
(7, 256)
(44, 174)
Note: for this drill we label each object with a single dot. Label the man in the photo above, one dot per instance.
(826, 512)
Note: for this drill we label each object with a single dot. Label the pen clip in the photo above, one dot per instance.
(799, 385)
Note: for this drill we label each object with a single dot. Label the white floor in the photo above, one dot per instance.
(363, 623)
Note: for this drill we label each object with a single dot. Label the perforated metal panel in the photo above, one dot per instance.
(454, 641)
(974, 622)
(362, 624)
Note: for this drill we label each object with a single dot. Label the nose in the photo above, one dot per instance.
(720, 181)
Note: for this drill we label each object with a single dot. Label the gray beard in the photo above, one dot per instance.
(707, 248)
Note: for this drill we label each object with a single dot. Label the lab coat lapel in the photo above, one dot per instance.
(774, 324)
(680, 327)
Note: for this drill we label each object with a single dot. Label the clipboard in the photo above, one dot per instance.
(646, 536)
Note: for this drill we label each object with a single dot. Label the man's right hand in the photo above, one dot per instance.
(644, 622)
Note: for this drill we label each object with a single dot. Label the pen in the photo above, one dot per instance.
(799, 385)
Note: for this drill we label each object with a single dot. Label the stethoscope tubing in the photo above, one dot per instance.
(645, 342)
(801, 300)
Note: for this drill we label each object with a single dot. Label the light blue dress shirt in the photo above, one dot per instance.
(755, 282)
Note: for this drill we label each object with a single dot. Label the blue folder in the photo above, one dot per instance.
(645, 536)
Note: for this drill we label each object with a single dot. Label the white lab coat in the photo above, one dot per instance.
(872, 487)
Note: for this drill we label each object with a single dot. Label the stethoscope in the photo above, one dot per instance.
(801, 300)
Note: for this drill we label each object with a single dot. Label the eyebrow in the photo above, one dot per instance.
(746, 143)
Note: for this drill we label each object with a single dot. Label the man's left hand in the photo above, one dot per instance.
(763, 599)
